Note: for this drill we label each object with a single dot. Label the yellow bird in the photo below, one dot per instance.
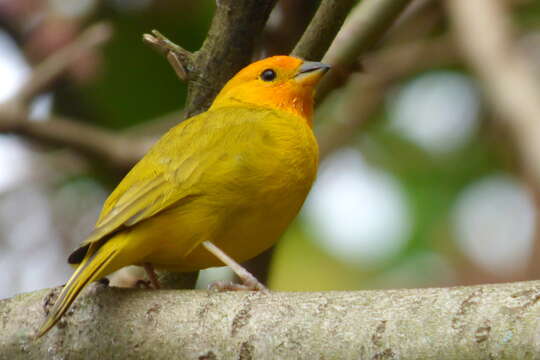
(219, 188)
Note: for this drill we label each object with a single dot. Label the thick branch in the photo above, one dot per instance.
(480, 322)
(228, 47)
(322, 29)
(235, 29)
(483, 29)
(366, 25)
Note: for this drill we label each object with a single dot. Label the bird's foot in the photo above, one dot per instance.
(232, 286)
(152, 276)
(249, 282)
(143, 284)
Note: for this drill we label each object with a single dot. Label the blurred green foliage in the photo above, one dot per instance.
(137, 84)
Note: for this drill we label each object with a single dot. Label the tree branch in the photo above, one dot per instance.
(322, 29)
(366, 25)
(118, 150)
(235, 29)
(54, 66)
(181, 60)
(480, 322)
(484, 31)
(365, 93)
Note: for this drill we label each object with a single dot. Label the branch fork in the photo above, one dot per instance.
(179, 58)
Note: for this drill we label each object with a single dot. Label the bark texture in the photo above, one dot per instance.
(235, 29)
(481, 322)
(322, 29)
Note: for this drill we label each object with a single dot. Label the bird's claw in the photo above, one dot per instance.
(143, 284)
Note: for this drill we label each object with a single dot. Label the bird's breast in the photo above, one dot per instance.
(281, 159)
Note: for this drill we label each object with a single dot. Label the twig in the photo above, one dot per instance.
(366, 25)
(365, 92)
(155, 126)
(235, 29)
(52, 67)
(478, 322)
(413, 57)
(484, 31)
(414, 21)
(322, 29)
(118, 150)
(180, 59)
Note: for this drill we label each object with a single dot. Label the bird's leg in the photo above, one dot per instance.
(152, 275)
(249, 281)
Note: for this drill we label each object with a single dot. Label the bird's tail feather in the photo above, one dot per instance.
(92, 268)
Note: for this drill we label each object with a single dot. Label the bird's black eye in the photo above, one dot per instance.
(268, 75)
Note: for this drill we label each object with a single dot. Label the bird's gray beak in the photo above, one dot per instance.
(311, 72)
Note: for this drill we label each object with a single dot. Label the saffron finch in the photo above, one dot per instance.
(219, 188)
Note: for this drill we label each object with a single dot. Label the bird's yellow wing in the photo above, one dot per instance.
(169, 174)
(161, 179)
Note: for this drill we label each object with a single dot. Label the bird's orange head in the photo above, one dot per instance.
(279, 82)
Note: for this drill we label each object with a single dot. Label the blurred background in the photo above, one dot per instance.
(424, 187)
